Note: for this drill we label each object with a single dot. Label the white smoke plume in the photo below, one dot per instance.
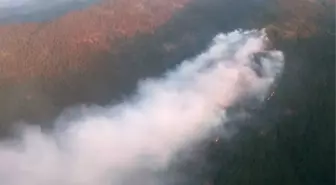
(107, 145)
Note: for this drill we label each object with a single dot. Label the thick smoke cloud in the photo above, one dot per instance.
(111, 145)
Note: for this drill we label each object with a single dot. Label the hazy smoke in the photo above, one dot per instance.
(110, 145)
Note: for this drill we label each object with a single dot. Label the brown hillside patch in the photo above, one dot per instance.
(67, 44)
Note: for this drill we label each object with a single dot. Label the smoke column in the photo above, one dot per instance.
(108, 145)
